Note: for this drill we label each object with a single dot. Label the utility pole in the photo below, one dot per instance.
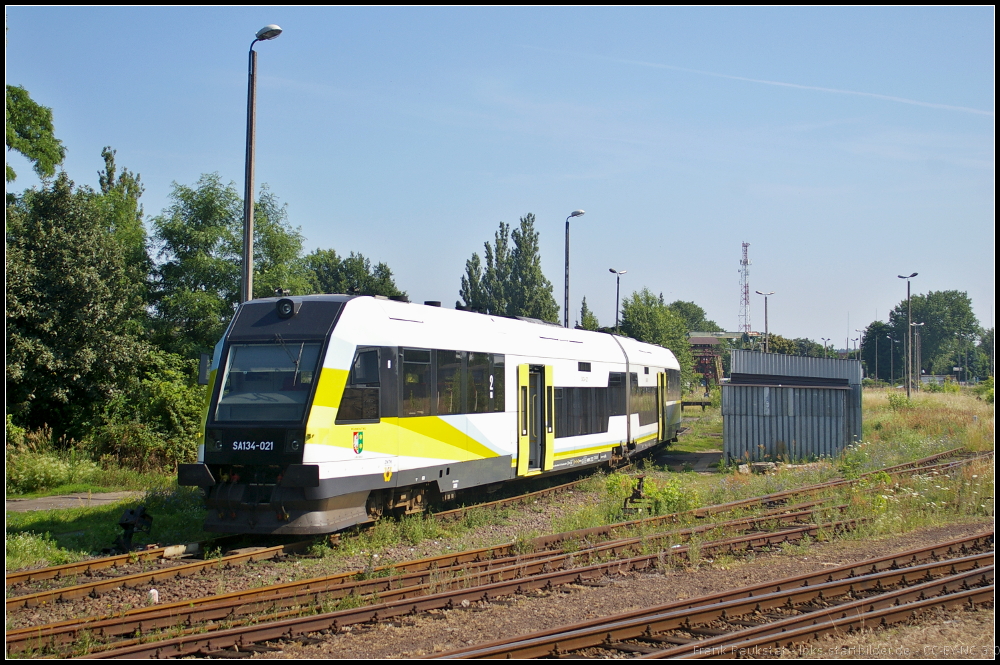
(909, 335)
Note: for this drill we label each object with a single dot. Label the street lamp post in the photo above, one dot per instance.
(892, 360)
(575, 213)
(618, 288)
(909, 335)
(861, 338)
(264, 34)
(917, 364)
(767, 337)
(825, 340)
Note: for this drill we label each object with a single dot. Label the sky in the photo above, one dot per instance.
(846, 145)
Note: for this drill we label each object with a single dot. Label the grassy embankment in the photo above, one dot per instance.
(894, 431)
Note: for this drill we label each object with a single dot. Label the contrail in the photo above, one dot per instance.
(837, 91)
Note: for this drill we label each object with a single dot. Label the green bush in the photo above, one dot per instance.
(15, 434)
(30, 471)
(984, 390)
(716, 393)
(670, 496)
(28, 549)
(899, 401)
(156, 422)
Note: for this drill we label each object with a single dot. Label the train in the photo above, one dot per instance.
(328, 411)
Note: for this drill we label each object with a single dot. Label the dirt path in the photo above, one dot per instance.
(81, 500)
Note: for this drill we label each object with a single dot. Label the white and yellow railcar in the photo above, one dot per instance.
(327, 411)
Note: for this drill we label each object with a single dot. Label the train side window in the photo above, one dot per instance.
(364, 371)
(362, 393)
(416, 379)
(449, 382)
(498, 385)
(616, 393)
(478, 381)
(673, 384)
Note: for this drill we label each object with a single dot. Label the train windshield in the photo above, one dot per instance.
(268, 382)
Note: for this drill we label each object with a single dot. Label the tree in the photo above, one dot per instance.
(877, 352)
(532, 292)
(512, 282)
(808, 347)
(276, 249)
(200, 240)
(123, 216)
(647, 319)
(950, 327)
(778, 344)
(694, 317)
(70, 301)
(30, 132)
(587, 319)
(326, 272)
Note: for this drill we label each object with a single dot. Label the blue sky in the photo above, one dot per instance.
(847, 145)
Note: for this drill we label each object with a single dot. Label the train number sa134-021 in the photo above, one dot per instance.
(253, 445)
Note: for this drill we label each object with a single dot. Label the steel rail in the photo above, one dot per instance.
(893, 614)
(289, 628)
(183, 570)
(518, 646)
(794, 601)
(90, 566)
(539, 542)
(882, 609)
(173, 551)
(768, 499)
(421, 573)
(615, 632)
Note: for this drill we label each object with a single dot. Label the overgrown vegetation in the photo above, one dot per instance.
(52, 537)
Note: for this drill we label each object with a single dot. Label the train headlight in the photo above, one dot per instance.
(213, 442)
(293, 442)
(287, 308)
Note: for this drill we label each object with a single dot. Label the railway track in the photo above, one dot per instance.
(403, 580)
(217, 639)
(777, 614)
(150, 577)
(90, 566)
(174, 552)
(421, 577)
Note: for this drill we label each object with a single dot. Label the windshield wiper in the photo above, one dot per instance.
(295, 361)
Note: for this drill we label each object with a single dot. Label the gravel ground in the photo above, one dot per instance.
(445, 630)
(424, 636)
(525, 521)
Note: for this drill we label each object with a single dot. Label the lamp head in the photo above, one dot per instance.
(268, 32)
(906, 276)
(576, 213)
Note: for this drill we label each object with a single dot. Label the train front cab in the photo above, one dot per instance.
(267, 374)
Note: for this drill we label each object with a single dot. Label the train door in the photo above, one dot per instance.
(661, 405)
(536, 419)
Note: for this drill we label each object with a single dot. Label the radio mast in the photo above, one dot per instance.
(745, 326)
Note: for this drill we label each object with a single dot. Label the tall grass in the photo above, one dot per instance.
(52, 537)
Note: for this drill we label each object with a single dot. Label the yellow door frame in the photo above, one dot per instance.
(661, 400)
(549, 456)
(525, 419)
(522, 420)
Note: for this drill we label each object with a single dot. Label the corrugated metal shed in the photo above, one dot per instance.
(780, 407)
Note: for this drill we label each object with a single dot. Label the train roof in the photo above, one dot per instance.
(379, 321)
